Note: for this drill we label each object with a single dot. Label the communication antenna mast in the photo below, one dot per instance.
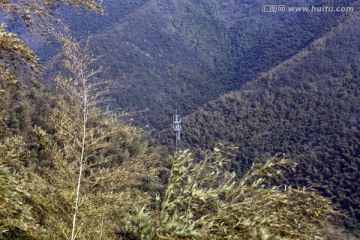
(177, 130)
(112, 114)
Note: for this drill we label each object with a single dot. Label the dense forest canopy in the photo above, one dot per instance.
(277, 157)
(306, 108)
(167, 54)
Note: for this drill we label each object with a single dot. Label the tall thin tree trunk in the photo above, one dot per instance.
(85, 117)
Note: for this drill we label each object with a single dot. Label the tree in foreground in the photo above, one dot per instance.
(84, 170)
(204, 201)
(96, 166)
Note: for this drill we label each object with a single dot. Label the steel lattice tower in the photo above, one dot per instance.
(177, 130)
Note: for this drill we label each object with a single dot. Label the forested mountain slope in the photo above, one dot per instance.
(69, 170)
(82, 23)
(307, 108)
(181, 54)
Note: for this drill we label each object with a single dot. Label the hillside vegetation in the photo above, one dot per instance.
(306, 108)
(82, 174)
(166, 54)
(72, 169)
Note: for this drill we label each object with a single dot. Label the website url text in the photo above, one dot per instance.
(310, 9)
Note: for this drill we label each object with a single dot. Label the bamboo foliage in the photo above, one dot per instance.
(15, 217)
(205, 201)
(19, 65)
(85, 175)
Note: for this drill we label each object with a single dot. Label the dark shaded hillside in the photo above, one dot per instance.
(83, 23)
(169, 54)
(162, 53)
(308, 108)
(93, 23)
